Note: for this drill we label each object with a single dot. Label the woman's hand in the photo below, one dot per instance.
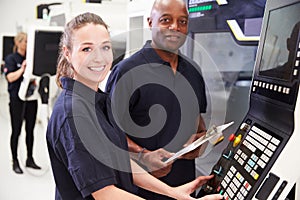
(183, 192)
(23, 66)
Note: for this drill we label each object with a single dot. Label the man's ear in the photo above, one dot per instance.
(149, 20)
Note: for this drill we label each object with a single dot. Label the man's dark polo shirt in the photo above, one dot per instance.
(144, 81)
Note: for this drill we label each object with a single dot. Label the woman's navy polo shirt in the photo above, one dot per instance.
(13, 62)
(87, 150)
(152, 92)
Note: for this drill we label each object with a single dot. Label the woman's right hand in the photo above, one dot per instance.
(183, 192)
(23, 66)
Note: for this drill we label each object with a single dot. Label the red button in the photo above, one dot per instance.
(231, 137)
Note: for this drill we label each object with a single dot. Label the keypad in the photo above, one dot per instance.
(251, 157)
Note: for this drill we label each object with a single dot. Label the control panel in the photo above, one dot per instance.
(261, 162)
(245, 161)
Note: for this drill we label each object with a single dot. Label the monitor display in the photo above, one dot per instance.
(280, 43)
(46, 46)
(209, 16)
(201, 8)
(7, 45)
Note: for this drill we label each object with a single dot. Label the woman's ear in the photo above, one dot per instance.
(67, 53)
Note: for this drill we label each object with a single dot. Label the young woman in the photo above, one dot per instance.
(89, 154)
(14, 68)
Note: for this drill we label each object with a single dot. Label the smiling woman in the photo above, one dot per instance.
(84, 60)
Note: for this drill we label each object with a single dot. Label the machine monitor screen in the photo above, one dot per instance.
(7, 46)
(46, 52)
(211, 16)
(201, 8)
(280, 42)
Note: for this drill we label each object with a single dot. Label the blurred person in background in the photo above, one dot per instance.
(20, 110)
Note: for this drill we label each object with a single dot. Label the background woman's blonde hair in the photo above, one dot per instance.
(17, 39)
(64, 67)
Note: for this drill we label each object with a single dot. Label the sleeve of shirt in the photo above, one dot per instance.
(10, 65)
(89, 172)
(120, 88)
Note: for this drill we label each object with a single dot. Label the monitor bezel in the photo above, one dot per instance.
(273, 5)
(2, 57)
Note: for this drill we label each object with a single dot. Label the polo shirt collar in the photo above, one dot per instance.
(155, 60)
(83, 91)
(151, 56)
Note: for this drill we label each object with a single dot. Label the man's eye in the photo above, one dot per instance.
(106, 48)
(165, 20)
(183, 22)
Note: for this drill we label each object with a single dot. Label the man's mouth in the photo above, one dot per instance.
(173, 37)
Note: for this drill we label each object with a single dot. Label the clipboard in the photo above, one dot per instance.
(211, 132)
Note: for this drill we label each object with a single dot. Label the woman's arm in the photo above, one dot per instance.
(144, 180)
(13, 76)
(112, 192)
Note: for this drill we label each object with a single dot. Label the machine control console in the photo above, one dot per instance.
(243, 162)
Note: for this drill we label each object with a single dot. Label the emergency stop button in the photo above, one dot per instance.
(231, 137)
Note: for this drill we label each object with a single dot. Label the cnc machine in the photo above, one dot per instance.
(260, 160)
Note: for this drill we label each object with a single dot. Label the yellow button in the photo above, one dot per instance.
(237, 140)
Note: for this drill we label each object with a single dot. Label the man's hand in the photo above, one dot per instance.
(198, 151)
(154, 162)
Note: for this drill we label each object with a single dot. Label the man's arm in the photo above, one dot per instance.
(201, 125)
(201, 131)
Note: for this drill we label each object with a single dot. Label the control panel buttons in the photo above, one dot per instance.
(245, 126)
(227, 154)
(231, 138)
(218, 170)
(237, 140)
(243, 161)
